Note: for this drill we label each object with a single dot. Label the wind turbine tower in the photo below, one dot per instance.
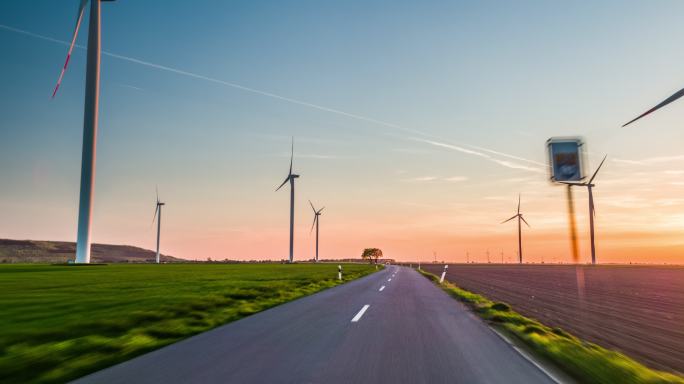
(291, 178)
(157, 216)
(592, 210)
(317, 214)
(90, 114)
(520, 218)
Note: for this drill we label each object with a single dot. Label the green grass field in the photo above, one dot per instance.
(61, 322)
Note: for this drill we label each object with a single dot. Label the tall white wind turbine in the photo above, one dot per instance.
(157, 216)
(89, 123)
(592, 209)
(317, 214)
(291, 178)
(520, 218)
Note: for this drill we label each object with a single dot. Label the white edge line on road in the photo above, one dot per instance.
(527, 357)
(381, 288)
(361, 312)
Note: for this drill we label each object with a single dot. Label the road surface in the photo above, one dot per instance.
(410, 331)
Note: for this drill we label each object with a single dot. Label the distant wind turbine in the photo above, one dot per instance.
(291, 178)
(157, 216)
(665, 102)
(520, 217)
(317, 213)
(592, 210)
(89, 123)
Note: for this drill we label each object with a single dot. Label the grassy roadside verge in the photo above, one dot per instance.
(59, 323)
(584, 361)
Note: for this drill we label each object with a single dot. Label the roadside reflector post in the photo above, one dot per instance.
(339, 272)
(441, 279)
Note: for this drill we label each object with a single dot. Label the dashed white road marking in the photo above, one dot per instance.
(381, 288)
(361, 312)
(390, 279)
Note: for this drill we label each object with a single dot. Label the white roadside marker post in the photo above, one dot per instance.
(339, 272)
(441, 279)
(419, 265)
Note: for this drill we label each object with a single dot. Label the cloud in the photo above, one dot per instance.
(130, 86)
(451, 179)
(455, 178)
(651, 160)
(421, 179)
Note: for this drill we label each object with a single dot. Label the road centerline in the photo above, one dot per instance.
(381, 288)
(361, 312)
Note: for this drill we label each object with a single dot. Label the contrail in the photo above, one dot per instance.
(507, 155)
(302, 103)
(503, 163)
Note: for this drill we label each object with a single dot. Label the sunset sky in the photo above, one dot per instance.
(416, 125)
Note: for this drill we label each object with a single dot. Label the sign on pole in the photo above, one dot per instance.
(566, 159)
(566, 163)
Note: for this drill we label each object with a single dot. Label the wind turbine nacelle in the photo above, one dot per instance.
(566, 159)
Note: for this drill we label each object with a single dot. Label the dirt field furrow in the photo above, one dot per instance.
(638, 310)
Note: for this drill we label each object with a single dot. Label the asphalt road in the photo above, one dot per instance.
(410, 332)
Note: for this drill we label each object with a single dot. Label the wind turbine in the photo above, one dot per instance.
(520, 217)
(158, 210)
(291, 178)
(317, 213)
(665, 102)
(592, 210)
(89, 123)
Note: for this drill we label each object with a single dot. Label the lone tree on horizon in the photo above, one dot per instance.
(372, 254)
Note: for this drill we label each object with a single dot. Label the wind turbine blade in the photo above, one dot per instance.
(291, 155)
(79, 18)
(284, 182)
(314, 223)
(506, 221)
(665, 102)
(156, 189)
(320, 210)
(523, 219)
(597, 169)
(312, 206)
(592, 208)
(155, 214)
(518, 203)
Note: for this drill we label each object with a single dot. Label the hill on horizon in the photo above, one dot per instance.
(37, 251)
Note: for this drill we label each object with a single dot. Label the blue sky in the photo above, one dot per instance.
(403, 93)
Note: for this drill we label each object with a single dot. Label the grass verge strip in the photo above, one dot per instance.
(584, 361)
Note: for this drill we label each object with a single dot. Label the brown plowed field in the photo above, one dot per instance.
(638, 310)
